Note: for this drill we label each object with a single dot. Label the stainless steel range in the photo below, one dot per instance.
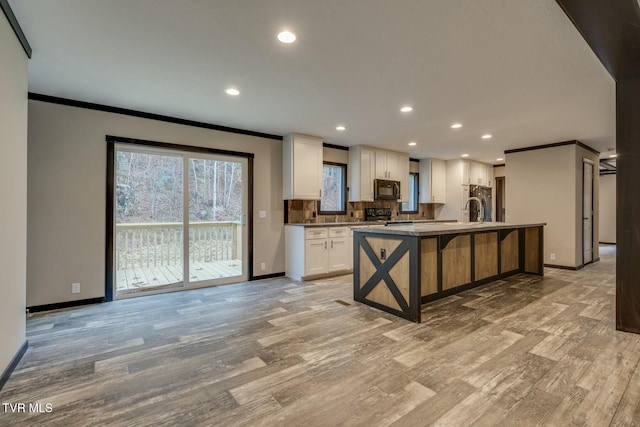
(377, 214)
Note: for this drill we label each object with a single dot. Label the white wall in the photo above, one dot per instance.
(13, 193)
(607, 223)
(546, 186)
(67, 186)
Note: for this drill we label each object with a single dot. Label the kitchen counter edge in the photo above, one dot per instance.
(441, 229)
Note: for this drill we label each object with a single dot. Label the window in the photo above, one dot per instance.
(412, 205)
(334, 189)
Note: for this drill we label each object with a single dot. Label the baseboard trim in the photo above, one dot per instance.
(14, 362)
(68, 304)
(564, 267)
(267, 276)
(607, 243)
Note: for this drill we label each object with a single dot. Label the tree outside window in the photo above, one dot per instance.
(412, 205)
(334, 189)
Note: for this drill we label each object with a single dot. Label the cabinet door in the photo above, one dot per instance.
(307, 166)
(475, 173)
(466, 173)
(381, 165)
(367, 174)
(302, 167)
(393, 171)
(316, 257)
(438, 181)
(339, 254)
(402, 172)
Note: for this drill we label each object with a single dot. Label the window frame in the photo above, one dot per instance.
(416, 194)
(344, 190)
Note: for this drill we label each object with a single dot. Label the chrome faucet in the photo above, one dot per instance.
(481, 210)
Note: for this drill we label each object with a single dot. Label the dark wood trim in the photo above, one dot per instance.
(499, 165)
(179, 147)
(564, 267)
(66, 304)
(555, 144)
(13, 364)
(150, 116)
(109, 215)
(334, 146)
(411, 159)
(15, 25)
(612, 30)
(607, 243)
(249, 219)
(627, 205)
(267, 276)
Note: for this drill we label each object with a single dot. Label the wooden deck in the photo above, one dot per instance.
(136, 279)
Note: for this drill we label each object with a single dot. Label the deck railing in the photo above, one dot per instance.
(160, 244)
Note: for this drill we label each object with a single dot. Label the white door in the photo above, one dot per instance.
(587, 213)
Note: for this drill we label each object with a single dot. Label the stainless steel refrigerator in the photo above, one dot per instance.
(484, 194)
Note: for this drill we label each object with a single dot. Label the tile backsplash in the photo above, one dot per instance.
(301, 211)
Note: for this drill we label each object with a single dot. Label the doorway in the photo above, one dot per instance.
(587, 211)
(179, 218)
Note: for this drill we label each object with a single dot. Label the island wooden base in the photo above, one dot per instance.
(397, 273)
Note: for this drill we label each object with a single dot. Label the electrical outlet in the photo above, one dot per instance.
(552, 257)
(263, 266)
(262, 214)
(75, 288)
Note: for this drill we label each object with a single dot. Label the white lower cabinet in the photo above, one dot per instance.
(315, 257)
(314, 251)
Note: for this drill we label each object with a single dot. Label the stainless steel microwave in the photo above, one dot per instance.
(384, 189)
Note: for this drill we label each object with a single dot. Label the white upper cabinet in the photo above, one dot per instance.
(480, 174)
(367, 164)
(391, 165)
(302, 167)
(432, 181)
(361, 171)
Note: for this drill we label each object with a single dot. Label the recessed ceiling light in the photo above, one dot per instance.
(413, 144)
(456, 126)
(287, 36)
(613, 156)
(232, 91)
(486, 136)
(499, 159)
(406, 109)
(341, 128)
(465, 155)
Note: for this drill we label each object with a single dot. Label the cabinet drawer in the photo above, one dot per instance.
(338, 231)
(315, 233)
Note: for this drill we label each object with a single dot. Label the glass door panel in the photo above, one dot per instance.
(149, 200)
(217, 206)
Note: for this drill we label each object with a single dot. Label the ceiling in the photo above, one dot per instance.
(517, 69)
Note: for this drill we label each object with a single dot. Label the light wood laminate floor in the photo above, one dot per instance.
(522, 351)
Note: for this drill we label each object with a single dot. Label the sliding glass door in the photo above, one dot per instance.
(158, 244)
(216, 218)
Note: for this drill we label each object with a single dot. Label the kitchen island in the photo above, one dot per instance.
(398, 268)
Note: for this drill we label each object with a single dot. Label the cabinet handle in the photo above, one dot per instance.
(321, 193)
(332, 244)
(325, 244)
